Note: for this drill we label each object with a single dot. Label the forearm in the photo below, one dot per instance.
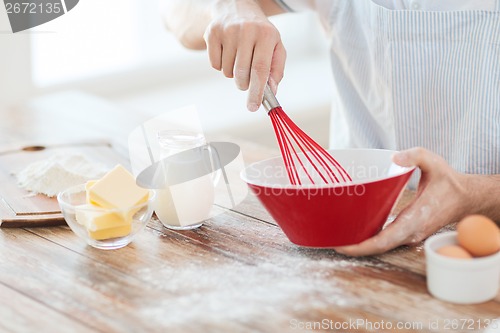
(485, 195)
(189, 19)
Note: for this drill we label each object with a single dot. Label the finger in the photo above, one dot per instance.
(399, 232)
(214, 50)
(259, 74)
(243, 65)
(380, 243)
(277, 67)
(228, 59)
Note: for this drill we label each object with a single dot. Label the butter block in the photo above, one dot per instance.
(88, 185)
(104, 225)
(95, 220)
(117, 189)
(111, 232)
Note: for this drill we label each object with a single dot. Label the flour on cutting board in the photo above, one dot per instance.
(57, 173)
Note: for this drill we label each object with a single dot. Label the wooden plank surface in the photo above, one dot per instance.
(242, 267)
(13, 310)
(237, 273)
(19, 207)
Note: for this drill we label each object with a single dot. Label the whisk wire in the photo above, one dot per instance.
(299, 135)
(295, 154)
(300, 143)
(319, 152)
(290, 137)
(285, 149)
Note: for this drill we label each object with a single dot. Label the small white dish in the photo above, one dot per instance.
(460, 281)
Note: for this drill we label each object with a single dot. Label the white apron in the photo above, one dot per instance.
(407, 78)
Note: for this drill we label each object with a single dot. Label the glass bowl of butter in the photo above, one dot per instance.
(107, 213)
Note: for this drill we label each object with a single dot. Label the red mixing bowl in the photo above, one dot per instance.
(325, 216)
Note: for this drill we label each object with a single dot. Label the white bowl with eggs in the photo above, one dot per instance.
(457, 272)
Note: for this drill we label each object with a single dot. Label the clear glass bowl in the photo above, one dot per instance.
(87, 221)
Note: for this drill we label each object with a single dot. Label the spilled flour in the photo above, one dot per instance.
(57, 173)
(264, 296)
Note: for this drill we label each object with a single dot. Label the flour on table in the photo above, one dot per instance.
(57, 173)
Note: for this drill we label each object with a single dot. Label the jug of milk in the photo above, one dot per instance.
(187, 204)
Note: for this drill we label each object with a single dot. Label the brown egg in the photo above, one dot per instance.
(454, 251)
(479, 235)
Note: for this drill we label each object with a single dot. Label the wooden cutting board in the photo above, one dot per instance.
(19, 208)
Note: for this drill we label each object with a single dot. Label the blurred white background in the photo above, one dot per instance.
(118, 52)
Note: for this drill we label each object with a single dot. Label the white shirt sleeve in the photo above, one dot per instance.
(296, 5)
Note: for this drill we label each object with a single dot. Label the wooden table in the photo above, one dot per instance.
(237, 273)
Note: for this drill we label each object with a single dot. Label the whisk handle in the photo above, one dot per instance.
(269, 101)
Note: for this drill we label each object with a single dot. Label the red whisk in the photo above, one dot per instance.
(312, 161)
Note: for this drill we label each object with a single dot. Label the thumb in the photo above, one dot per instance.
(420, 157)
